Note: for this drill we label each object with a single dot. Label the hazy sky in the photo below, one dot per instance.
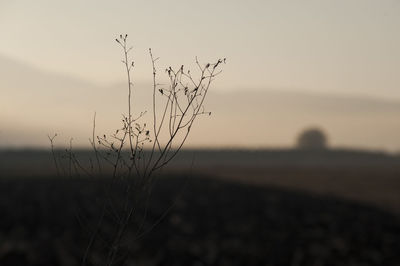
(59, 63)
(337, 46)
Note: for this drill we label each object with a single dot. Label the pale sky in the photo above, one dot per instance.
(337, 46)
(59, 63)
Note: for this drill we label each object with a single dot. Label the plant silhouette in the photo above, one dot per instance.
(133, 154)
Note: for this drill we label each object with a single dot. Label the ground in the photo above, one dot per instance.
(209, 220)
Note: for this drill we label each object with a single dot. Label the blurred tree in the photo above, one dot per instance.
(312, 139)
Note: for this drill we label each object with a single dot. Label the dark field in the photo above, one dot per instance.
(274, 215)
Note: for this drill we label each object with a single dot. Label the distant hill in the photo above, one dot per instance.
(34, 103)
(275, 118)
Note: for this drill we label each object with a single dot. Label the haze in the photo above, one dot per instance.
(290, 65)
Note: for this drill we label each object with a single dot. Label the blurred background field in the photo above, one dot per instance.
(217, 207)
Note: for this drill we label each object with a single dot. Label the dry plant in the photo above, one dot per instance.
(134, 153)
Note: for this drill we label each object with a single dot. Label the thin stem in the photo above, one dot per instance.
(53, 153)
